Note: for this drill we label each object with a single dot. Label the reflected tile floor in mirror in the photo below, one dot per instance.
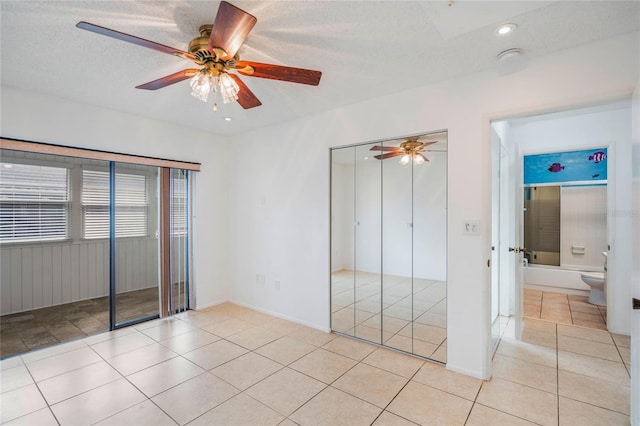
(358, 314)
(232, 365)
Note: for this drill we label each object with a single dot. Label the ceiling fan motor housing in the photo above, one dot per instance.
(199, 47)
(410, 146)
(201, 43)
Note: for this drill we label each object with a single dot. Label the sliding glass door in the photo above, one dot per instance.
(106, 242)
(179, 242)
(135, 243)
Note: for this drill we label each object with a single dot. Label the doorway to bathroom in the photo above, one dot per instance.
(549, 229)
(568, 343)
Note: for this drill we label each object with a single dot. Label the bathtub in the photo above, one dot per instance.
(555, 278)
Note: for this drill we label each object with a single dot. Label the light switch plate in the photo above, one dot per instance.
(472, 227)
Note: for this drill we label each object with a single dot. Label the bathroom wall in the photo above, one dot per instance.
(583, 225)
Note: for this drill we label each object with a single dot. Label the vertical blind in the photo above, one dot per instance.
(178, 202)
(131, 204)
(33, 202)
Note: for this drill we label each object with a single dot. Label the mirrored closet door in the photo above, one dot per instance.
(388, 243)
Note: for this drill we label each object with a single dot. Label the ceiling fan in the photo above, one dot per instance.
(410, 149)
(215, 52)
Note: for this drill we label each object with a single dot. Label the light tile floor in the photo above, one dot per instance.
(230, 365)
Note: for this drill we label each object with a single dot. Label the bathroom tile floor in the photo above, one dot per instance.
(235, 366)
(564, 309)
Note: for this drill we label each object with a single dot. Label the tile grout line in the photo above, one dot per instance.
(475, 399)
(41, 394)
(396, 395)
(558, 373)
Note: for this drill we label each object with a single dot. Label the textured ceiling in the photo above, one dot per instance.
(364, 49)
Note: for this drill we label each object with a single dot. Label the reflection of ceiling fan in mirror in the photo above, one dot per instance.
(411, 149)
(215, 51)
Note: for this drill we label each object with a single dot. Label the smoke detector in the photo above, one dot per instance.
(509, 54)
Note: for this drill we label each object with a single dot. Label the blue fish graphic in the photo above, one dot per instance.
(555, 167)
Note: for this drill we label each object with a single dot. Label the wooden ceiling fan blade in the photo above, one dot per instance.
(389, 155)
(246, 98)
(384, 148)
(230, 28)
(169, 79)
(279, 72)
(133, 39)
(427, 144)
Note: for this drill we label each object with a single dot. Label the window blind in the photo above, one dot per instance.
(33, 202)
(131, 204)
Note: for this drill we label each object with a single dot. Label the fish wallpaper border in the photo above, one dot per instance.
(587, 166)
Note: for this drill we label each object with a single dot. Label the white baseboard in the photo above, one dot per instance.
(284, 317)
(467, 372)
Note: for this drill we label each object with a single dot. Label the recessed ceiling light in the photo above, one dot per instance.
(227, 119)
(509, 54)
(506, 29)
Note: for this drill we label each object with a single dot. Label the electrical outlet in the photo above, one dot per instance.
(260, 279)
(276, 284)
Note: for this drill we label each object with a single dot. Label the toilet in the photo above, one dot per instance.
(597, 281)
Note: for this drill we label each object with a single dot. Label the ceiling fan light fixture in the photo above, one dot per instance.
(418, 160)
(405, 159)
(201, 85)
(228, 88)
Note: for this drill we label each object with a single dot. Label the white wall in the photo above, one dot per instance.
(583, 223)
(597, 127)
(342, 217)
(41, 118)
(287, 166)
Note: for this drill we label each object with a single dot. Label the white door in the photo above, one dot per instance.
(517, 248)
(635, 255)
(496, 329)
(506, 270)
(635, 315)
